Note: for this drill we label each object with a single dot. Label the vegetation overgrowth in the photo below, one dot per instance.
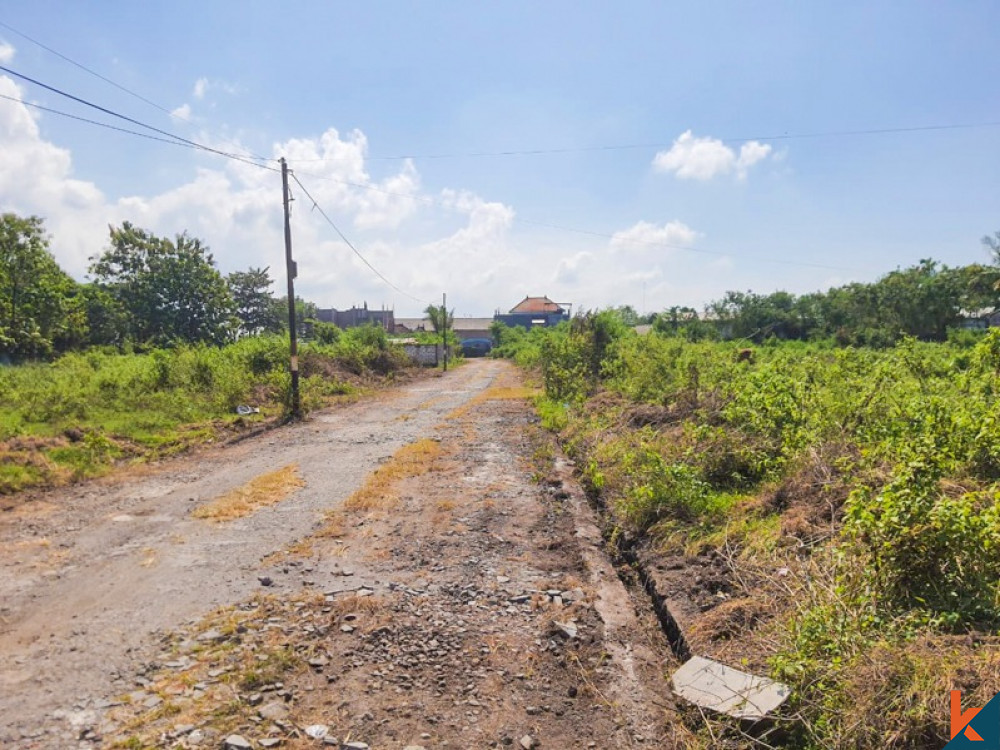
(851, 492)
(75, 417)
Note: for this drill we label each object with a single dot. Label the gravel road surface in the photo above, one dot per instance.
(100, 582)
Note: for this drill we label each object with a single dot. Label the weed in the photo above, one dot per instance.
(261, 491)
(378, 491)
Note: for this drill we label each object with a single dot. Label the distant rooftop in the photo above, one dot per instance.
(536, 305)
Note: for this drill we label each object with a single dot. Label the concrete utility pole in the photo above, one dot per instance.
(444, 328)
(292, 272)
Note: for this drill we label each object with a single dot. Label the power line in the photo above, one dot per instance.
(178, 140)
(107, 80)
(105, 110)
(84, 68)
(574, 230)
(350, 245)
(640, 146)
(107, 125)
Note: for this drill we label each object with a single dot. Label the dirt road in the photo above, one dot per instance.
(451, 599)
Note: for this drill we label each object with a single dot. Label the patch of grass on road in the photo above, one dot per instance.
(495, 393)
(378, 492)
(266, 489)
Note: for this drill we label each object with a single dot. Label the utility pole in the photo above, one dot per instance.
(444, 328)
(291, 271)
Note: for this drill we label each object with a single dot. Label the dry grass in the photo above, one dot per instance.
(495, 393)
(266, 489)
(354, 604)
(378, 492)
(149, 557)
(334, 528)
(42, 542)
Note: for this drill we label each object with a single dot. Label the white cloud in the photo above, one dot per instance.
(704, 158)
(426, 243)
(456, 244)
(644, 234)
(183, 112)
(6, 52)
(569, 269)
(333, 169)
(203, 85)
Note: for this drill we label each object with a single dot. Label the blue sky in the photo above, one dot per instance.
(338, 88)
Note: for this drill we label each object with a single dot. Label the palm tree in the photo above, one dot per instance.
(440, 317)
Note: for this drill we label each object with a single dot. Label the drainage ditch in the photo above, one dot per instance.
(625, 559)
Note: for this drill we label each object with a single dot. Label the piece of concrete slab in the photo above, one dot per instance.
(719, 688)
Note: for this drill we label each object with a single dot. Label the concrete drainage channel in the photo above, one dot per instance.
(708, 684)
(624, 550)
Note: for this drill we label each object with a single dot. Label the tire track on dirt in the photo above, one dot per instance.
(90, 574)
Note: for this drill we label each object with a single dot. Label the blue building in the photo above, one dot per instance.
(535, 311)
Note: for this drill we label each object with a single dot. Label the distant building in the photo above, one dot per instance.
(988, 317)
(532, 312)
(412, 325)
(358, 316)
(464, 328)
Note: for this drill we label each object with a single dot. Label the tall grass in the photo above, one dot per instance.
(74, 417)
(871, 478)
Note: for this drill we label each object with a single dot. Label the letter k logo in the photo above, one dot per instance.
(960, 721)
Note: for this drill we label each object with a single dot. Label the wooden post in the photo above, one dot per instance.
(444, 328)
(291, 269)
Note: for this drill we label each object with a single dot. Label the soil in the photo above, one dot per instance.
(474, 607)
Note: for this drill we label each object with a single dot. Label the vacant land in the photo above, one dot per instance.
(829, 516)
(437, 581)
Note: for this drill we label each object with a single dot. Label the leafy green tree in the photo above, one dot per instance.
(170, 289)
(304, 313)
(683, 321)
(39, 309)
(979, 286)
(107, 320)
(628, 315)
(251, 292)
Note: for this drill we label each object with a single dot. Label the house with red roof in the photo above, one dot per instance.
(532, 312)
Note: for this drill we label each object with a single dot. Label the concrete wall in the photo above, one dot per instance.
(427, 355)
(357, 316)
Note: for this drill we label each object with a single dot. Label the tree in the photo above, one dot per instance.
(304, 312)
(39, 309)
(251, 292)
(170, 290)
(440, 318)
(107, 320)
(993, 246)
(628, 315)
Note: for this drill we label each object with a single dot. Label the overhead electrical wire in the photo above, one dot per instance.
(126, 118)
(108, 125)
(84, 68)
(603, 235)
(180, 141)
(351, 245)
(640, 146)
(528, 151)
(107, 80)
